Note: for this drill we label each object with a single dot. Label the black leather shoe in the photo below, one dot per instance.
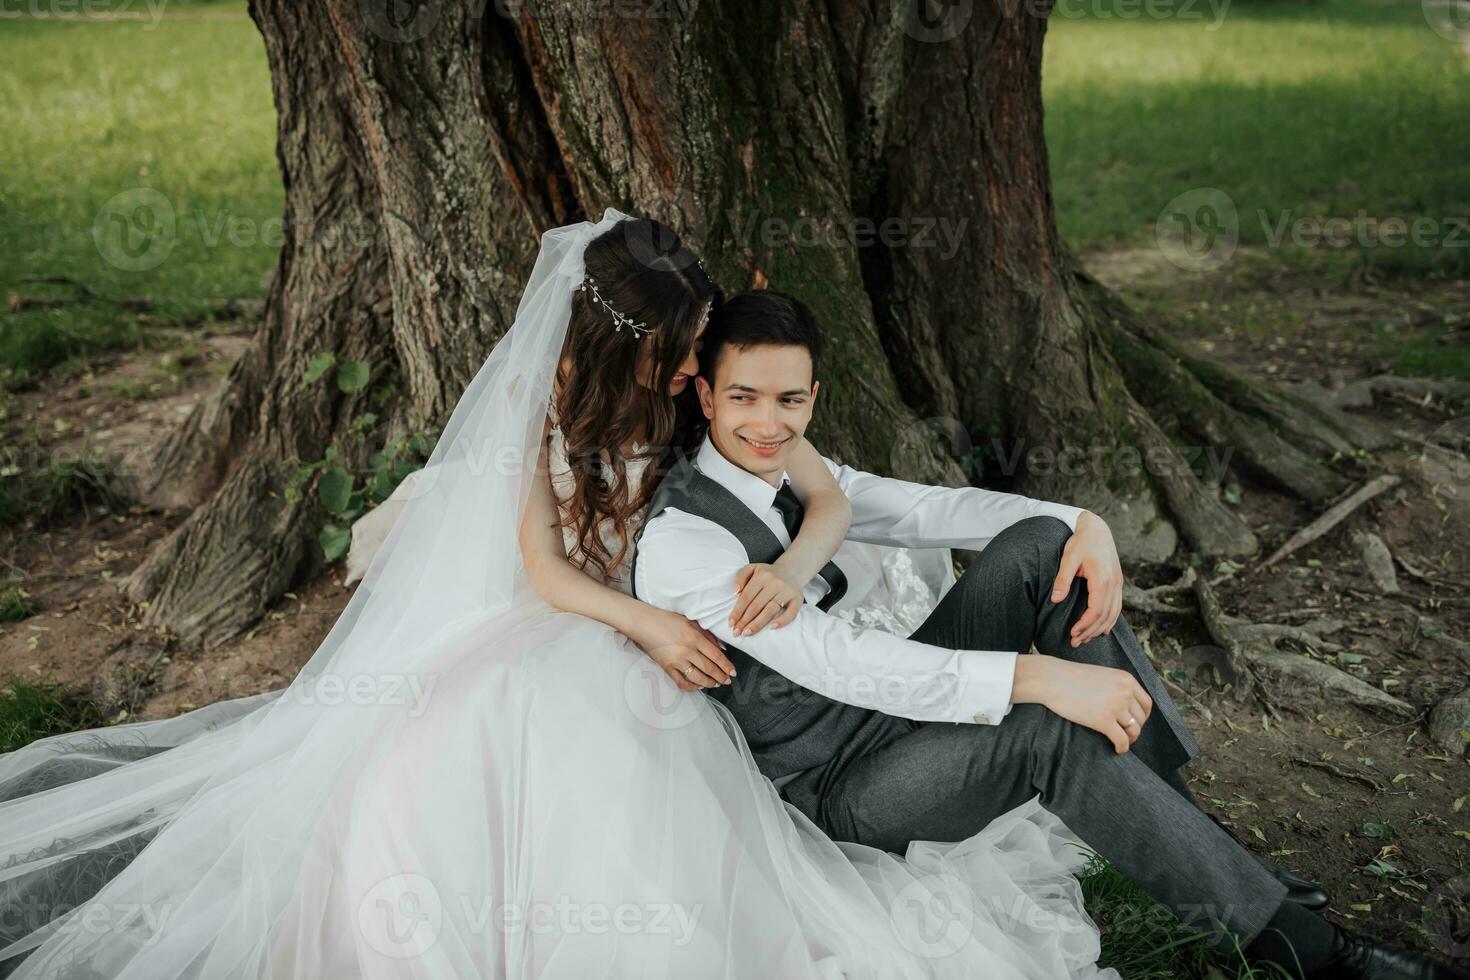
(1363, 959)
(1307, 894)
(1303, 892)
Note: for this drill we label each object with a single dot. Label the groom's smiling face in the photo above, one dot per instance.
(759, 405)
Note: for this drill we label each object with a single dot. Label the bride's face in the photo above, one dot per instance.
(688, 368)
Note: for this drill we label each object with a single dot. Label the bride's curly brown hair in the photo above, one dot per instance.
(643, 271)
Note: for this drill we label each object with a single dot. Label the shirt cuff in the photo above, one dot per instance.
(989, 677)
(1068, 513)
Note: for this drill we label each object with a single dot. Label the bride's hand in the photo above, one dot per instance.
(766, 598)
(691, 655)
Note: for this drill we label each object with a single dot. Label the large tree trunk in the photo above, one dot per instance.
(886, 167)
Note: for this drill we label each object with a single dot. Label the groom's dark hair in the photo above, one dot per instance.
(759, 318)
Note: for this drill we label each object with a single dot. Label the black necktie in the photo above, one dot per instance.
(791, 512)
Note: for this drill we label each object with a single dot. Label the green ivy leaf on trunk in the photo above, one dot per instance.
(353, 375)
(334, 490)
(335, 540)
(318, 366)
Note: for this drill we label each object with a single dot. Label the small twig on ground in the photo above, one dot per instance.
(1384, 731)
(1339, 771)
(1181, 689)
(1334, 516)
(1428, 579)
(18, 570)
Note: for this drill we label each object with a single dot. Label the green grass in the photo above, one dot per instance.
(180, 109)
(40, 487)
(1307, 109)
(29, 712)
(1144, 942)
(1316, 109)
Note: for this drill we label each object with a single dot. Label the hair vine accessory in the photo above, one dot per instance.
(619, 320)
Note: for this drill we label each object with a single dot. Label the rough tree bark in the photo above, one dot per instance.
(886, 166)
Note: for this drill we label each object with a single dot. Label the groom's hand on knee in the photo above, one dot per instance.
(1108, 700)
(1091, 554)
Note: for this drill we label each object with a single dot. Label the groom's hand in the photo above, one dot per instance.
(1091, 553)
(1106, 699)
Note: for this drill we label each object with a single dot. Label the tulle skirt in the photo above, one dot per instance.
(542, 803)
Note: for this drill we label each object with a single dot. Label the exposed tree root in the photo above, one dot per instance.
(1325, 679)
(1226, 638)
(1306, 423)
(1449, 722)
(1167, 386)
(1334, 516)
(214, 580)
(1152, 600)
(1361, 393)
(1203, 519)
(1268, 633)
(1250, 657)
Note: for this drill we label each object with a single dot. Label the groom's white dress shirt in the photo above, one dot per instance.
(687, 564)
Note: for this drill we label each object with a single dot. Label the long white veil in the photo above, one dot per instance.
(235, 841)
(242, 781)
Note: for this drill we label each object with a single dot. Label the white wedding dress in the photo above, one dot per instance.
(466, 783)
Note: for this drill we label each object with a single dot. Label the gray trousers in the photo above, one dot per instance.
(944, 782)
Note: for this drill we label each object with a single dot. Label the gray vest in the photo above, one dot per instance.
(788, 727)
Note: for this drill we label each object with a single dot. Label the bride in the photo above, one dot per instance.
(497, 763)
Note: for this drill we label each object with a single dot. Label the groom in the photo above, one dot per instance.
(882, 739)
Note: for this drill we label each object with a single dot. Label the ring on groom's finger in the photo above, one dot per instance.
(1130, 722)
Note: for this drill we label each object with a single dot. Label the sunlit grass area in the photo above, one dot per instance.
(140, 161)
(1330, 109)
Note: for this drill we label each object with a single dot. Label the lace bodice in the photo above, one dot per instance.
(560, 472)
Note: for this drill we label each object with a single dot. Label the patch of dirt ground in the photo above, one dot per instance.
(1369, 805)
